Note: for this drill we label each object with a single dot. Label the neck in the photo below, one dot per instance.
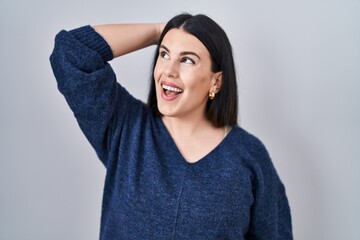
(186, 127)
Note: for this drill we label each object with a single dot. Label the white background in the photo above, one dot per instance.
(298, 66)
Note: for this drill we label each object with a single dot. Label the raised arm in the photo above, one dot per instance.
(126, 38)
(87, 81)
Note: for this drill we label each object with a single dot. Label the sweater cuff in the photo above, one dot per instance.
(88, 36)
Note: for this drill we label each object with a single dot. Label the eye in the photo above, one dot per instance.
(164, 55)
(187, 60)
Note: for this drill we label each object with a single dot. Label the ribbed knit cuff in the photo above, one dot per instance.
(93, 40)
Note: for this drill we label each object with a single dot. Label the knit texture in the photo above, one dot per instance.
(150, 191)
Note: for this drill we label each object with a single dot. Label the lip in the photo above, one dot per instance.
(164, 96)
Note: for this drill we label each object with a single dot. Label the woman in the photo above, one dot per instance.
(178, 167)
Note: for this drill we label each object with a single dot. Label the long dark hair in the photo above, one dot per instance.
(223, 109)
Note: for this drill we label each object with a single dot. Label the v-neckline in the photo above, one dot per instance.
(173, 145)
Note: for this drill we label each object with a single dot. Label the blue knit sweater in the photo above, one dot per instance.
(150, 191)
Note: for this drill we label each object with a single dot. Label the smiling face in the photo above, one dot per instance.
(183, 76)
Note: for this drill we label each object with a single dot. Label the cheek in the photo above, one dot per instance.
(200, 84)
(157, 70)
(157, 75)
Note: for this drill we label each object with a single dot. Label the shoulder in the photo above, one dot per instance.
(246, 141)
(252, 152)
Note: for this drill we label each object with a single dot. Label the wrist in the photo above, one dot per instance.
(159, 29)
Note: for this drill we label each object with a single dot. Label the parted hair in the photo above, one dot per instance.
(223, 109)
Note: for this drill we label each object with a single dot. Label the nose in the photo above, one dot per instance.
(171, 69)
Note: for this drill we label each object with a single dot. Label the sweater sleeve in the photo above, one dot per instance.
(88, 83)
(270, 213)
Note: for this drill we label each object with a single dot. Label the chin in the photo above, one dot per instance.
(166, 112)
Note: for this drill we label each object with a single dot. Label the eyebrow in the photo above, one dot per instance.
(182, 53)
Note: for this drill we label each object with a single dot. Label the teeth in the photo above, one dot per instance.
(173, 89)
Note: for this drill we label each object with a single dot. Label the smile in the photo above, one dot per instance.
(170, 91)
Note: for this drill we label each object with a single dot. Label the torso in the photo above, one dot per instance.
(158, 194)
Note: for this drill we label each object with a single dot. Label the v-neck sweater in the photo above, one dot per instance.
(150, 191)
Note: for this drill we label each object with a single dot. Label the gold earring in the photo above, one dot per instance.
(211, 95)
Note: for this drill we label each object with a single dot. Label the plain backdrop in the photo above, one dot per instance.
(298, 67)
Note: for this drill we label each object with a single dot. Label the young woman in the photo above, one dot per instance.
(178, 167)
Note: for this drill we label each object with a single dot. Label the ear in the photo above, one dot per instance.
(216, 82)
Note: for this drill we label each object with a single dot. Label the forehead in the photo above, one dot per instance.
(178, 40)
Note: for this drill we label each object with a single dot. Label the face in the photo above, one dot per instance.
(183, 76)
